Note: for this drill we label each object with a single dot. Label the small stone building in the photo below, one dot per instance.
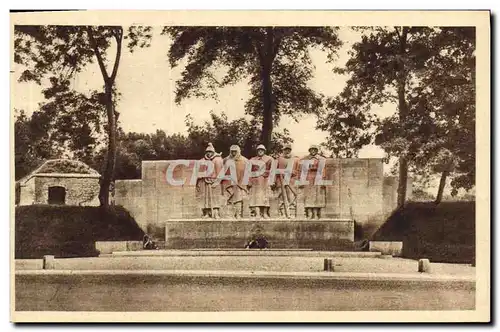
(59, 181)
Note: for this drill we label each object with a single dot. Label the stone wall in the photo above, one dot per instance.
(27, 192)
(322, 234)
(359, 191)
(80, 190)
(391, 193)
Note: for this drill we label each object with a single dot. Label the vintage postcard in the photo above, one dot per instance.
(250, 166)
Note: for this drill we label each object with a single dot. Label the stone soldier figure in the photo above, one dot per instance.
(210, 190)
(287, 189)
(314, 195)
(236, 189)
(259, 185)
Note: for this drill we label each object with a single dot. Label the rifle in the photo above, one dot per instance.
(285, 197)
(231, 194)
(210, 201)
(294, 194)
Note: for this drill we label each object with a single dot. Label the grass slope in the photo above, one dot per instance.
(442, 233)
(69, 231)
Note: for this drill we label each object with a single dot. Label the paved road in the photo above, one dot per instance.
(215, 293)
(210, 293)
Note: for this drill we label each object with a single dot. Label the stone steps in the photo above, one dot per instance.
(245, 252)
(323, 234)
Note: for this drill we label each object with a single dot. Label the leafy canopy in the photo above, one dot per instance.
(242, 53)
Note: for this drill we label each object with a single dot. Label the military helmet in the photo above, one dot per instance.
(261, 147)
(314, 146)
(210, 148)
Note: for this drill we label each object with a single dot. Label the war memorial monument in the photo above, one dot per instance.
(186, 166)
(194, 210)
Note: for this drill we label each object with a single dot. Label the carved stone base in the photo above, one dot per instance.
(323, 234)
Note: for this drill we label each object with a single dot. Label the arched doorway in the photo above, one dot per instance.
(57, 195)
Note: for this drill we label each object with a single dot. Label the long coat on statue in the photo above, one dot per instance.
(237, 190)
(260, 190)
(314, 195)
(210, 194)
(291, 163)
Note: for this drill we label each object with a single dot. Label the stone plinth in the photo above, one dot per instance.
(107, 247)
(324, 234)
(394, 248)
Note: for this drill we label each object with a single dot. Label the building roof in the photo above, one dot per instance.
(62, 168)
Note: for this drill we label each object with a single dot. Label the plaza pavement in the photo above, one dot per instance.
(241, 283)
(376, 264)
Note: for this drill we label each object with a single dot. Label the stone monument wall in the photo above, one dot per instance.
(359, 191)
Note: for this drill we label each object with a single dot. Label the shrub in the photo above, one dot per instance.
(70, 231)
(443, 233)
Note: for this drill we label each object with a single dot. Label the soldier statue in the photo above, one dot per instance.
(260, 191)
(314, 194)
(285, 184)
(210, 190)
(236, 188)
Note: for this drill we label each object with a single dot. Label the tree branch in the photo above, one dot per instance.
(258, 50)
(98, 55)
(279, 36)
(118, 36)
(397, 32)
(410, 38)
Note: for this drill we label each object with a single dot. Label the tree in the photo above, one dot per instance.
(348, 127)
(441, 126)
(32, 143)
(429, 73)
(275, 59)
(60, 52)
(221, 132)
(453, 101)
(420, 195)
(76, 121)
(391, 64)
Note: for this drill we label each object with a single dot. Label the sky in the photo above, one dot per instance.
(147, 85)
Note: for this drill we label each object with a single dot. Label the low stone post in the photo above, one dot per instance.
(424, 265)
(48, 262)
(328, 265)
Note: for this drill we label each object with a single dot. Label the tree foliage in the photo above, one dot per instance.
(454, 90)
(32, 143)
(428, 73)
(57, 53)
(224, 133)
(276, 60)
(221, 132)
(439, 134)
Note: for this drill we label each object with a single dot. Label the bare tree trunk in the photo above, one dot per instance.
(112, 115)
(403, 112)
(267, 113)
(267, 55)
(109, 171)
(442, 184)
(403, 161)
(403, 179)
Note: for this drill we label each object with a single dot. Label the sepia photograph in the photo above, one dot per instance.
(252, 166)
